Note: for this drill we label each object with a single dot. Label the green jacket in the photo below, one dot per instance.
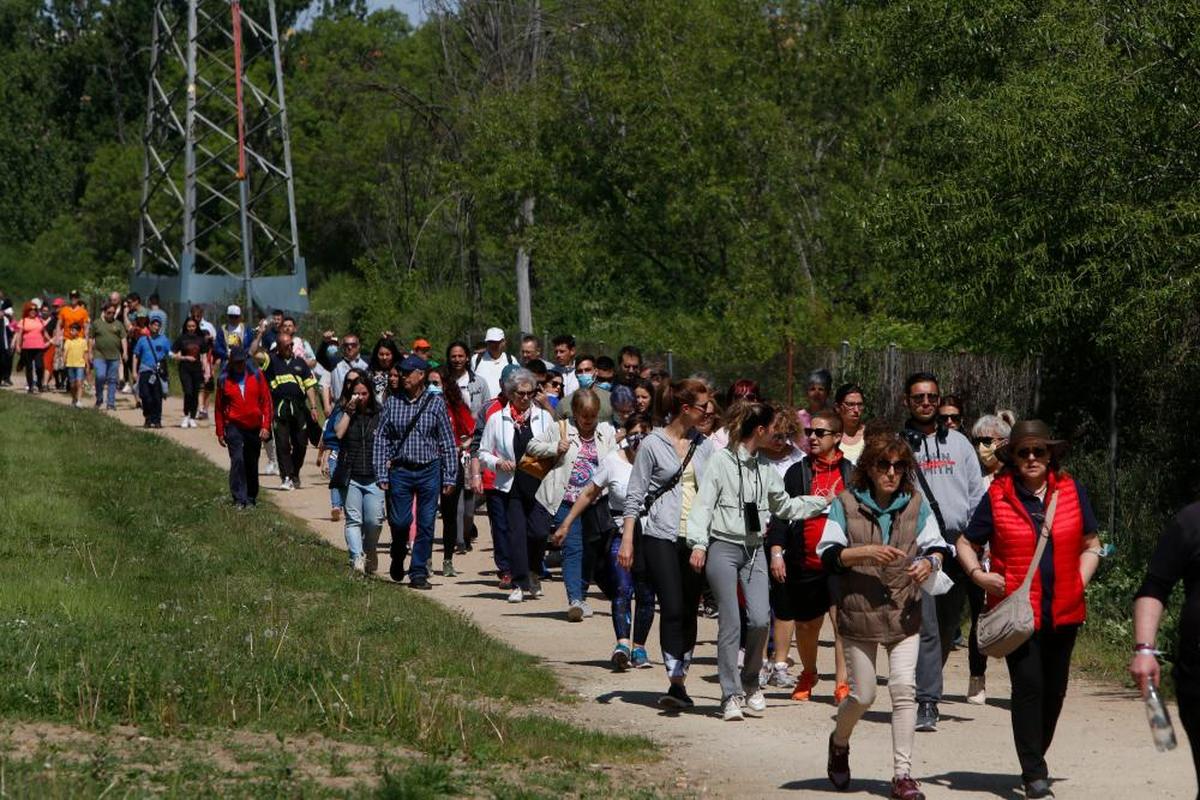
(729, 482)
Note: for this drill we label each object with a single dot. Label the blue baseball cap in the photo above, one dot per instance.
(412, 363)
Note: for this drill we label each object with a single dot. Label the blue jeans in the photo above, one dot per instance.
(107, 370)
(572, 554)
(403, 484)
(337, 495)
(364, 517)
(498, 521)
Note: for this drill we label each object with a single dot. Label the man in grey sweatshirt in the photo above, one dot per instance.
(950, 476)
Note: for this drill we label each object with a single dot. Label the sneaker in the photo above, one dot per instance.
(838, 765)
(1038, 789)
(203, 414)
(841, 692)
(640, 658)
(335, 513)
(905, 788)
(505, 582)
(780, 676)
(620, 657)
(536, 592)
(272, 468)
(764, 675)
(804, 686)
(977, 690)
(448, 570)
(183, 423)
(676, 697)
(421, 584)
(286, 485)
(756, 702)
(360, 565)
(110, 408)
(575, 611)
(296, 482)
(516, 596)
(927, 716)
(587, 610)
(731, 711)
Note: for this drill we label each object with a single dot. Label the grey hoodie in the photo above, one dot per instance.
(951, 469)
(655, 464)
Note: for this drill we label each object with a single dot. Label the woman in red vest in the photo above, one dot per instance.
(1009, 519)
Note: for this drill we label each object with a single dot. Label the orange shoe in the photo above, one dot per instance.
(804, 686)
(841, 693)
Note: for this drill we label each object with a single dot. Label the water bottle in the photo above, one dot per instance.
(1160, 720)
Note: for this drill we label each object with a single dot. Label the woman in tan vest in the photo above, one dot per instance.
(881, 542)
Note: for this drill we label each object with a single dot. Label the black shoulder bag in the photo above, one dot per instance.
(412, 423)
(652, 497)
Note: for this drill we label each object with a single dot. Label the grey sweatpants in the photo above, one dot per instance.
(940, 617)
(726, 566)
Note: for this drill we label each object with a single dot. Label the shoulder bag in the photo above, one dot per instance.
(540, 467)
(1009, 624)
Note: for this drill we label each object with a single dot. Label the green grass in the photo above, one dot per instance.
(133, 594)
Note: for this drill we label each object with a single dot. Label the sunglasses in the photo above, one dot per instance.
(555, 384)
(349, 345)
(1028, 453)
(885, 466)
(820, 433)
(526, 394)
(925, 397)
(987, 441)
(950, 417)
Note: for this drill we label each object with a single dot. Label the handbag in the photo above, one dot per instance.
(1009, 624)
(540, 467)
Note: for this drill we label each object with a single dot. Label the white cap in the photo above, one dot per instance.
(234, 311)
(8, 311)
(494, 335)
(37, 302)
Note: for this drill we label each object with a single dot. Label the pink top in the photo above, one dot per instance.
(33, 334)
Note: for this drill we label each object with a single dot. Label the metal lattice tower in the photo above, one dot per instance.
(218, 212)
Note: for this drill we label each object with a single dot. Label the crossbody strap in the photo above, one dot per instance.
(412, 423)
(652, 497)
(1043, 537)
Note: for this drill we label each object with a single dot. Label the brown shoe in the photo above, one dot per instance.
(838, 768)
(335, 514)
(372, 563)
(905, 788)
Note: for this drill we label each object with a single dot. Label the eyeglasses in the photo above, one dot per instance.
(950, 417)
(820, 433)
(925, 397)
(986, 441)
(349, 345)
(555, 384)
(526, 394)
(886, 467)
(1028, 453)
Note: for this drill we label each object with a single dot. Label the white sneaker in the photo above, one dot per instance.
(780, 676)
(764, 675)
(360, 564)
(977, 690)
(756, 702)
(575, 611)
(587, 610)
(183, 423)
(732, 710)
(272, 468)
(516, 596)
(287, 485)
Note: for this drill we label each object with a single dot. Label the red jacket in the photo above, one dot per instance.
(489, 477)
(250, 410)
(1013, 543)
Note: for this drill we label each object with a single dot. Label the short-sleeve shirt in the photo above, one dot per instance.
(75, 352)
(613, 476)
(582, 470)
(151, 351)
(33, 334)
(72, 315)
(108, 337)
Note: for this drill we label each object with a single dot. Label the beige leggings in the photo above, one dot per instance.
(902, 684)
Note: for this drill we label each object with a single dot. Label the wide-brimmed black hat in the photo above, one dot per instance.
(1032, 430)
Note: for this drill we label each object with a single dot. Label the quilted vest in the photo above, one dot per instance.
(878, 604)
(1013, 543)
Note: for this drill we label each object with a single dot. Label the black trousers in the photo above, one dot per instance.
(975, 657)
(678, 588)
(190, 381)
(1039, 670)
(6, 365)
(244, 448)
(291, 440)
(526, 548)
(34, 368)
(150, 391)
(1189, 716)
(450, 518)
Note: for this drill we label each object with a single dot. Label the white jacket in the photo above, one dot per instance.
(554, 485)
(496, 444)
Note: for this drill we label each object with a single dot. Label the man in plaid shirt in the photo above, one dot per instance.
(413, 459)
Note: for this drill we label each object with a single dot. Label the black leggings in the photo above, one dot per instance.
(975, 658)
(1189, 715)
(678, 588)
(189, 382)
(450, 518)
(34, 367)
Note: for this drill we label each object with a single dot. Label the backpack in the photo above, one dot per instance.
(478, 359)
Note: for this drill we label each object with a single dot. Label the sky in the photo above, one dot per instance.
(411, 8)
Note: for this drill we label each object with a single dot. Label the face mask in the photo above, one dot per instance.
(605, 385)
(586, 381)
(434, 388)
(633, 440)
(987, 454)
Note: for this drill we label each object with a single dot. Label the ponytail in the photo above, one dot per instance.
(673, 396)
(744, 417)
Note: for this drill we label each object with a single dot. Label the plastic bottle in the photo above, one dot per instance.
(1160, 720)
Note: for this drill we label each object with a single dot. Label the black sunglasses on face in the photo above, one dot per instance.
(1032, 452)
(986, 441)
(925, 397)
(950, 417)
(820, 433)
(885, 466)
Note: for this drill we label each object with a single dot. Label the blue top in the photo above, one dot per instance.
(151, 351)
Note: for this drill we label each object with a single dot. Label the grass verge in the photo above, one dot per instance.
(135, 596)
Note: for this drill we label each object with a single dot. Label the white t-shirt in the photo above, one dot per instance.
(613, 475)
(782, 465)
(489, 369)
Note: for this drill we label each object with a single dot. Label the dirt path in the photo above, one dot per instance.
(1102, 748)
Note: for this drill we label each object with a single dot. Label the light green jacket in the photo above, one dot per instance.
(729, 482)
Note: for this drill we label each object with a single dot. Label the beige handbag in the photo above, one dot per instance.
(1009, 624)
(540, 467)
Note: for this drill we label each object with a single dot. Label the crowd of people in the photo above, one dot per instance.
(674, 497)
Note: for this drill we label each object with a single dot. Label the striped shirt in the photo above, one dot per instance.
(431, 438)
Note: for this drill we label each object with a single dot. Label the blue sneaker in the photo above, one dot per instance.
(620, 657)
(640, 659)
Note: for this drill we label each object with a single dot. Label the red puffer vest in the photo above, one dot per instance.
(1013, 544)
